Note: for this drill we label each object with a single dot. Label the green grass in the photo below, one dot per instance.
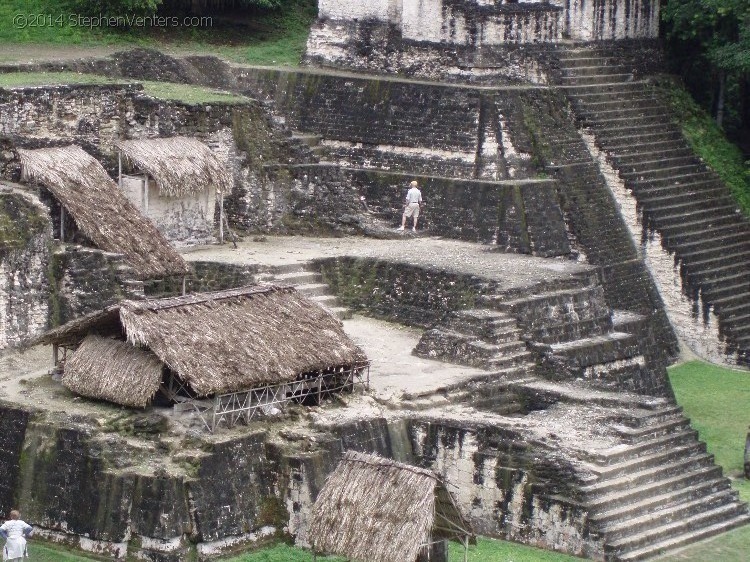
(281, 553)
(710, 143)
(489, 550)
(717, 401)
(263, 38)
(20, 79)
(162, 90)
(46, 553)
(189, 94)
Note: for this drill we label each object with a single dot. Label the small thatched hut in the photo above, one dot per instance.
(373, 509)
(203, 345)
(176, 183)
(105, 217)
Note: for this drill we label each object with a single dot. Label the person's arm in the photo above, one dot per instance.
(28, 530)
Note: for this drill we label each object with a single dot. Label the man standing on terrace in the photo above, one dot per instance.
(413, 201)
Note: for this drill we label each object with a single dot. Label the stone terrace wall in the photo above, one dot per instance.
(25, 237)
(94, 116)
(400, 292)
(401, 125)
(591, 212)
(84, 280)
(97, 491)
(516, 215)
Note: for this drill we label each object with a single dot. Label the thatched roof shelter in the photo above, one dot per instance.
(100, 209)
(373, 509)
(122, 373)
(180, 165)
(219, 342)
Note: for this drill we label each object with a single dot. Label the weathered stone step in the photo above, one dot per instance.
(598, 114)
(708, 245)
(696, 227)
(646, 145)
(656, 534)
(649, 417)
(725, 294)
(732, 312)
(671, 172)
(730, 253)
(679, 480)
(650, 156)
(292, 278)
(619, 88)
(642, 101)
(672, 205)
(568, 331)
(594, 70)
(595, 350)
(688, 230)
(651, 474)
(710, 284)
(621, 529)
(622, 455)
(670, 450)
(598, 79)
(306, 138)
(655, 502)
(738, 327)
(699, 276)
(620, 135)
(610, 123)
(665, 219)
(652, 430)
(573, 60)
(662, 167)
(313, 289)
(682, 180)
(506, 361)
(683, 539)
(582, 94)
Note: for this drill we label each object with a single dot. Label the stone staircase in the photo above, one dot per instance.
(308, 283)
(681, 198)
(477, 337)
(658, 491)
(571, 332)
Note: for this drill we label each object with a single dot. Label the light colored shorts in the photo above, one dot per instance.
(412, 210)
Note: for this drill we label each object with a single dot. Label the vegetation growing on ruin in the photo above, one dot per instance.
(265, 32)
(19, 222)
(189, 94)
(710, 143)
(21, 79)
(184, 93)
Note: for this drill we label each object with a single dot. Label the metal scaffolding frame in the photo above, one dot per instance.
(228, 410)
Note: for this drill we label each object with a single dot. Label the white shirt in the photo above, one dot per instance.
(15, 546)
(413, 196)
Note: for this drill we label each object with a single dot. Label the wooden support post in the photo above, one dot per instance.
(62, 223)
(221, 217)
(55, 352)
(119, 169)
(183, 285)
(145, 194)
(466, 549)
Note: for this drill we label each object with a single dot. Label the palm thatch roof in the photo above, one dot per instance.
(180, 165)
(373, 509)
(113, 370)
(224, 341)
(101, 210)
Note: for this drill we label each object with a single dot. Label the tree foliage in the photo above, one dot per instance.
(711, 39)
